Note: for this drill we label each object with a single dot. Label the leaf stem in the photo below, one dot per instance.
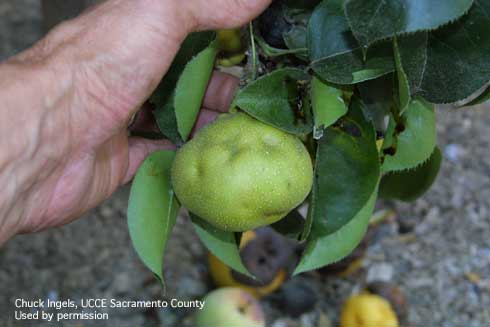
(254, 51)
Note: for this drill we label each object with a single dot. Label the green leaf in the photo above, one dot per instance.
(309, 219)
(220, 243)
(295, 40)
(347, 170)
(178, 97)
(152, 210)
(373, 20)
(290, 226)
(336, 56)
(377, 96)
(191, 88)
(412, 139)
(408, 185)
(322, 250)
(403, 86)
(274, 99)
(353, 67)
(167, 122)
(412, 52)
(328, 31)
(271, 51)
(327, 103)
(457, 58)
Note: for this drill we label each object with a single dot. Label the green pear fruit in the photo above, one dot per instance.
(239, 173)
(226, 307)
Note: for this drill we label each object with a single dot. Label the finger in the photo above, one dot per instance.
(216, 14)
(205, 117)
(220, 92)
(139, 149)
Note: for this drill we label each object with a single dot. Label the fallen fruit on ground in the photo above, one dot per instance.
(266, 255)
(367, 310)
(239, 173)
(228, 307)
(394, 295)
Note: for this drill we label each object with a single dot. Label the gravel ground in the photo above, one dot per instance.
(443, 265)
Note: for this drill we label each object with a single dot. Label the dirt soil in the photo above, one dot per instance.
(442, 265)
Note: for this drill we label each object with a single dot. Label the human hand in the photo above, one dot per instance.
(75, 92)
(90, 178)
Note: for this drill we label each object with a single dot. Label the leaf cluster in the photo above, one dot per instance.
(357, 80)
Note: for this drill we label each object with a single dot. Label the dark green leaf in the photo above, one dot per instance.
(482, 98)
(328, 31)
(323, 250)
(352, 67)
(290, 226)
(273, 23)
(373, 20)
(403, 85)
(377, 96)
(167, 123)
(347, 170)
(152, 210)
(270, 51)
(221, 244)
(410, 141)
(457, 58)
(412, 50)
(296, 40)
(336, 56)
(408, 185)
(274, 99)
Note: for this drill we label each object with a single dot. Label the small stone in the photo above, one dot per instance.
(191, 288)
(53, 295)
(484, 284)
(453, 152)
(167, 317)
(407, 224)
(323, 320)
(122, 284)
(107, 211)
(308, 319)
(285, 322)
(297, 298)
(380, 272)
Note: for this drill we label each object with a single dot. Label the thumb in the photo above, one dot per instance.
(217, 14)
(139, 149)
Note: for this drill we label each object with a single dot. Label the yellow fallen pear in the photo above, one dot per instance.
(368, 310)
